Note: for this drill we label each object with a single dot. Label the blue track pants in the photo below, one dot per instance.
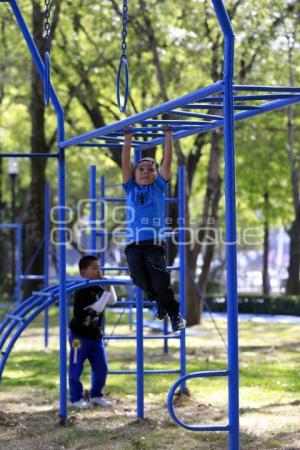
(94, 352)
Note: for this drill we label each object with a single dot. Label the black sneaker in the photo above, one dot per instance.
(161, 313)
(178, 322)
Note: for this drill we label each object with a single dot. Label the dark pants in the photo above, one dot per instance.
(94, 352)
(148, 270)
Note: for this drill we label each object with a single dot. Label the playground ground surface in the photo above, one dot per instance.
(269, 393)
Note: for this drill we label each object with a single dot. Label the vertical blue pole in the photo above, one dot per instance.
(166, 321)
(93, 211)
(131, 290)
(139, 354)
(182, 264)
(139, 338)
(19, 263)
(46, 257)
(62, 285)
(63, 305)
(230, 218)
(103, 220)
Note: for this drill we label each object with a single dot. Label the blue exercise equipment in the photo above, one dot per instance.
(16, 322)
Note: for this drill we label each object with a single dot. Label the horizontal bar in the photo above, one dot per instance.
(14, 317)
(32, 277)
(200, 115)
(238, 87)
(207, 427)
(249, 97)
(157, 110)
(123, 199)
(203, 106)
(248, 112)
(96, 144)
(42, 294)
(28, 155)
(111, 199)
(113, 185)
(120, 133)
(147, 372)
(124, 233)
(9, 225)
(117, 281)
(246, 98)
(158, 128)
(121, 304)
(126, 268)
(171, 122)
(267, 107)
(118, 139)
(155, 336)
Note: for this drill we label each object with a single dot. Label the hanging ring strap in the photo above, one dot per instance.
(123, 65)
(47, 78)
(47, 53)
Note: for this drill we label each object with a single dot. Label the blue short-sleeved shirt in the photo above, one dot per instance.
(145, 210)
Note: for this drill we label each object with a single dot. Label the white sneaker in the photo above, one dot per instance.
(100, 401)
(80, 404)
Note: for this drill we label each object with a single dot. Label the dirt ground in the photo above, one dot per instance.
(31, 422)
(29, 410)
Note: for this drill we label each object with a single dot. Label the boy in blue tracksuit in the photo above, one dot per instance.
(145, 186)
(86, 340)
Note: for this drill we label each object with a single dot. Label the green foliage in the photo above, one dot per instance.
(175, 58)
(258, 304)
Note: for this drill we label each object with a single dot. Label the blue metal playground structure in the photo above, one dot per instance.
(238, 103)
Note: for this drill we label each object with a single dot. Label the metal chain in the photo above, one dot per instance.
(124, 29)
(47, 25)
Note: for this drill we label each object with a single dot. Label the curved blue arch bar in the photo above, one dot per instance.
(15, 323)
(178, 383)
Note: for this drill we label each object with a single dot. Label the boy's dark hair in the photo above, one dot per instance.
(85, 261)
(146, 159)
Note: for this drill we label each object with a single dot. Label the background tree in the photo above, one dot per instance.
(173, 48)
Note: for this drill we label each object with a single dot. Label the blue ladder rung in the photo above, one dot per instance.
(112, 199)
(42, 294)
(198, 115)
(14, 317)
(159, 336)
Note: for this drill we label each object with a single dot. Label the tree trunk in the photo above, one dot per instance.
(293, 284)
(211, 235)
(34, 220)
(204, 230)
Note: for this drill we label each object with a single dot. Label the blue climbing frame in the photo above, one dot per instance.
(220, 96)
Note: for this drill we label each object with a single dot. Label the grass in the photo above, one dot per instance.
(269, 393)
